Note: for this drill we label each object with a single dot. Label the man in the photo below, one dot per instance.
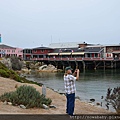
(69, 82)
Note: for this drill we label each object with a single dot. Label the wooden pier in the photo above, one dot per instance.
(82, 63)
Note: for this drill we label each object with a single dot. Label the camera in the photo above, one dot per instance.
(76, 71)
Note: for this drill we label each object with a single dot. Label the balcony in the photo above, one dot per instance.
(73, 59)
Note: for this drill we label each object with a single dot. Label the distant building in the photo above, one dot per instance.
(83, 50)
(112, 51)
(64, 45)
(34, 53)
(27, 54)
(6, 50)
(73, 51)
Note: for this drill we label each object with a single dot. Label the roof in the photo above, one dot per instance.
(64, 45)
(42, 48)
(93, 49)
(76, 50)
(3, 46)
(112, 45)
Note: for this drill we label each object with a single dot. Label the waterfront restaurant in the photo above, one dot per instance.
(112, 51)
(83, 51)
(36, 53)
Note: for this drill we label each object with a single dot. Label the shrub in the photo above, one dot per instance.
(3, 73)
(113, 98)
(26, 95)
(2, 66)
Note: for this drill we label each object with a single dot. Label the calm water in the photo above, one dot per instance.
(92, 84)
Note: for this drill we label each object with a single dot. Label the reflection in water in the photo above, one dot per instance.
(92, 84)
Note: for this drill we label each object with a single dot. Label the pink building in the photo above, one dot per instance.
(6, 50)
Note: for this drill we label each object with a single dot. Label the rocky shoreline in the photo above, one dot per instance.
(27, 66)
(58, 100)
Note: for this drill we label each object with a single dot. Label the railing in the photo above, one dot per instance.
(73, 59)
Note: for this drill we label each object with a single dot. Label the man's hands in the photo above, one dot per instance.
(76, 73)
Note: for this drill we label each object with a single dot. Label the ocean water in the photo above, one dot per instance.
(92, 84)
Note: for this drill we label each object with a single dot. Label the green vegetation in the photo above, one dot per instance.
(5, 72)
(113, 98)
(26, 95)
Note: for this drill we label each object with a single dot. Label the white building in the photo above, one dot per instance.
(64, 45)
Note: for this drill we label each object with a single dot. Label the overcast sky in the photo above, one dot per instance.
(32, 23)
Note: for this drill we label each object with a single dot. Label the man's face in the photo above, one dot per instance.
(69, 72)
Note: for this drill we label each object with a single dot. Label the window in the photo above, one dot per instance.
(88, 54)
(42, 51)
(13, 51)
(7, 50)
(116, 48)
(96, 55)
(35, 51)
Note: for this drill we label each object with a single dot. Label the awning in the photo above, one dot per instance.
(78, 53)
(67, 53)
(52, 53)
(117, 52)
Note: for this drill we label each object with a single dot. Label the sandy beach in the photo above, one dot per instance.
(7, 85)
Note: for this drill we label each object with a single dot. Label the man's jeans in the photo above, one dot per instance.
(70, 103)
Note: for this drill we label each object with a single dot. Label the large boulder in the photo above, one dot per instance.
(49, 68)
(26, 71)
(42, 67)
(16, 63)
(7, 62)
(12, 63)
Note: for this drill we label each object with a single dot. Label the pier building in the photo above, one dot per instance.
(84, 56)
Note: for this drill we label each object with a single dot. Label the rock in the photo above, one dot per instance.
(16, 63)
(91, 104)
(38, 64)
(26, 71)
(45, 106)
(59, 70)
(5, 103)
(49, 68)
(92, 100)
(42, 67)
(61, 92)
(7, 62)
(98, 104)
(102, 97)
(31, 66)
(52, 106)
(16, 86)
(55, 90)
(9, 103)
(77, 97)
(22, 106)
